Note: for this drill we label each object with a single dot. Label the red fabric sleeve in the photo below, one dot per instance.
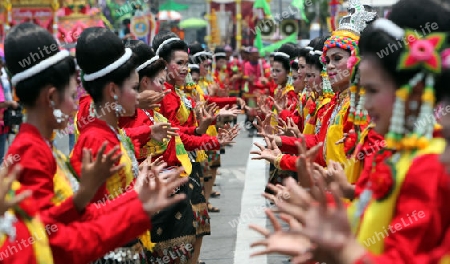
(203, 142)
(169, 109)
(291, 98)
(38, 170)
(288, 114)
(288, 143)
(287, 162)
(222, 101)
(285, 114)
(82, 242)
(420, 218)
(95, 211)
(437, 255)
(92, 138)
(66, 211)
(140, 134)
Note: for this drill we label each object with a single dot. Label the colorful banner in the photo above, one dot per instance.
(248, 20)
(19, 14)
(41, 16)
(140, 27)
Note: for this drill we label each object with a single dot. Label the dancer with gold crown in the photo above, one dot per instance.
(337, 132)
(397, 216)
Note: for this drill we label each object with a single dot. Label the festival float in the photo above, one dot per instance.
(236, 11)
(40, 12)
(73, 17)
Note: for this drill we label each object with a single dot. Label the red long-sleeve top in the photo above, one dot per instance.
(33, 153)
(94, 232)
(72, 239)
(254, 70)
(234, 66)
(288, 143)
(93, 136)
(169, 108)
(419, 239)
(190, 142)
(139, 134)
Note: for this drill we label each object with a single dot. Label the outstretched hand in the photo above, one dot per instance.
(229, 112)
(326, 226)
(279, 241)
(161, 131)
(269, 153)
(94, 173)
(155, 192)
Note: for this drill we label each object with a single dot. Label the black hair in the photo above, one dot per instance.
(153, 69)
(194, 70)
(145, 53)
(314, 59)
(167, 50)
(290, 50)
(294, 65)
(302, 52)
(23, 50)
(196, 48)
(374, 43)
(221, 50)
(96, 49)
(142, 51)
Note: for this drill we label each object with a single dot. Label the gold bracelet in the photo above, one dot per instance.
(277, 161)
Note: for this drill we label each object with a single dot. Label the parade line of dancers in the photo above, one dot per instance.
(356, 140)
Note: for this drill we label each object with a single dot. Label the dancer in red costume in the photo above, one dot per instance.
(414, 230)
(70, 232)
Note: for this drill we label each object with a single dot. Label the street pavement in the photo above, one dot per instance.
(241, 184)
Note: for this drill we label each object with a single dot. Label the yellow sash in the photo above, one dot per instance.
(62, 187)
(41, 247)
(334, 134)
(160, 147)
(354, 166)
(183, 112)
(378, 214)
(119, 183)
(310, 128)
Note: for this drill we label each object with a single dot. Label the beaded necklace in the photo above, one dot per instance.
(149, 116)
(128, 145)
(342, 99)
(183, 97)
